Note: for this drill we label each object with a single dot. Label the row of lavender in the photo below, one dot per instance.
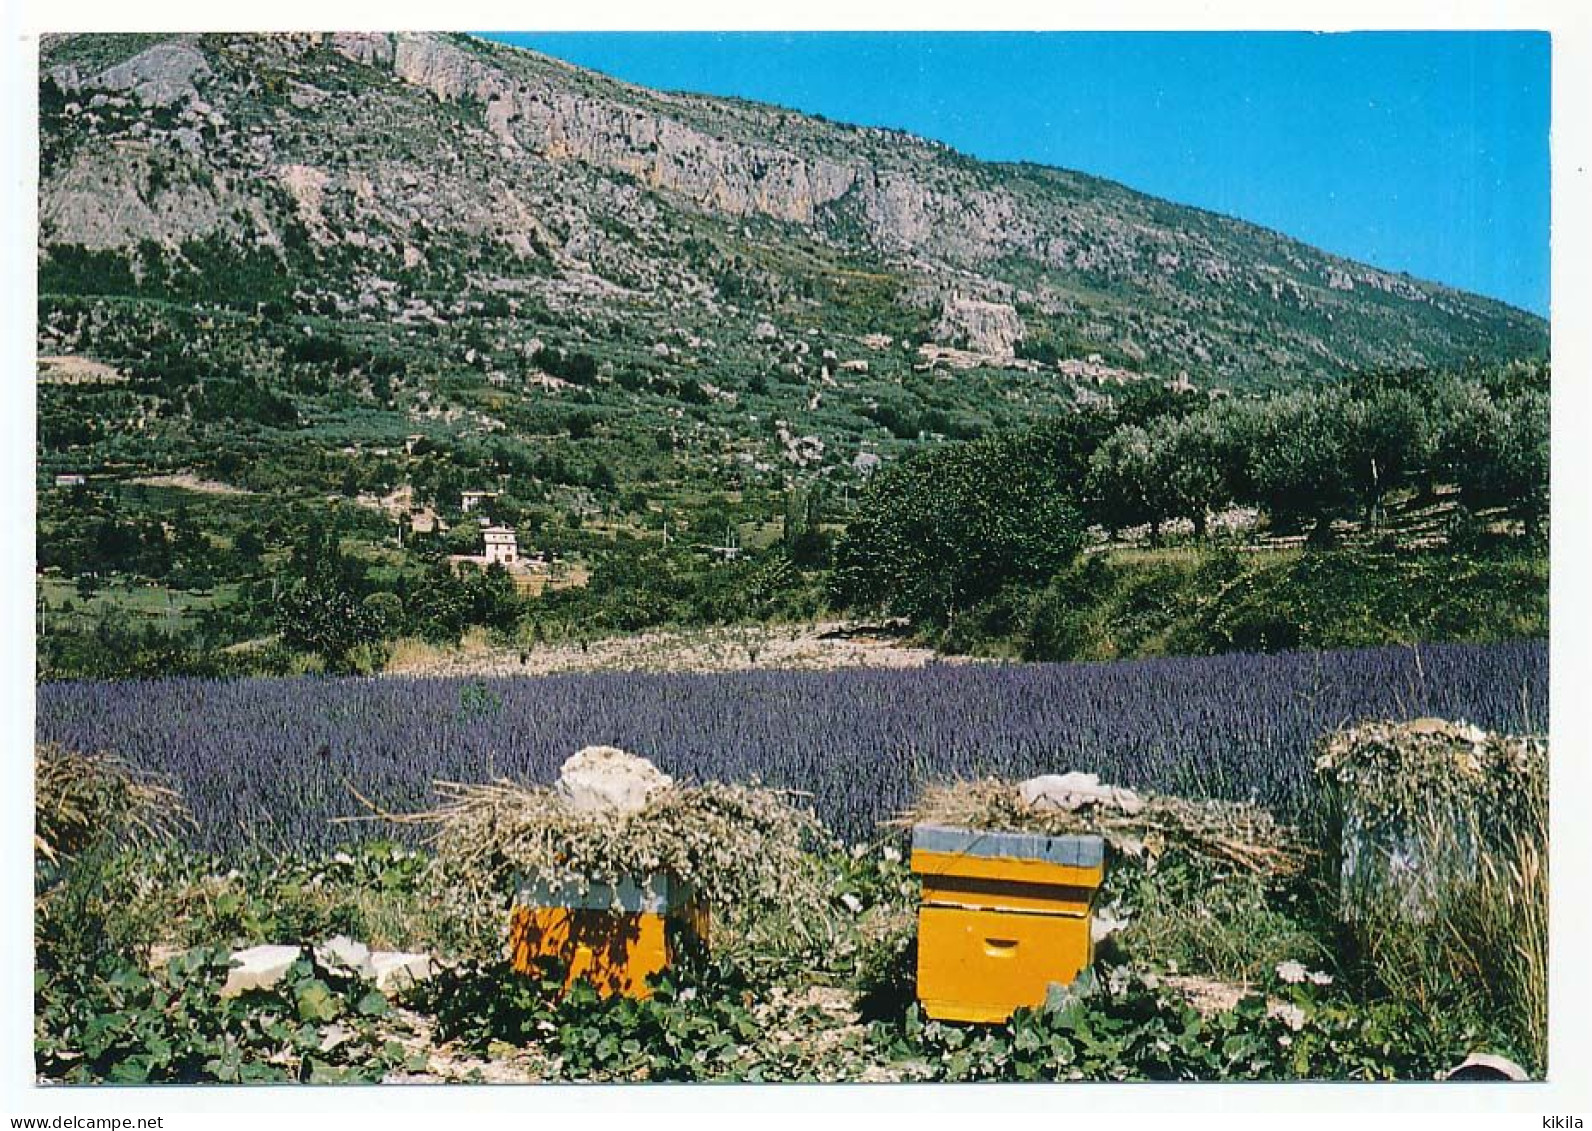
(267, 763)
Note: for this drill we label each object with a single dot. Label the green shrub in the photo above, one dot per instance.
(1204, 602)
(1118, 1024)
(111, 1021)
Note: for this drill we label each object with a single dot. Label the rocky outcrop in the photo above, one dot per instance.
(618, 203)
(164, 74)
(102, 200)
(663, 152)
(369, 48)
(991, 329)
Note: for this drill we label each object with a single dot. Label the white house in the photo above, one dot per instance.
(502, 545)
(469, 500)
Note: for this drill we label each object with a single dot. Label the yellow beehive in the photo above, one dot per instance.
(616, 937)
(1003, 916)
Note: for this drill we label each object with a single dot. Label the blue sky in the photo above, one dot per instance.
(1424, 152)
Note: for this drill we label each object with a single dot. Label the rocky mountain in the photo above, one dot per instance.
(501, 227)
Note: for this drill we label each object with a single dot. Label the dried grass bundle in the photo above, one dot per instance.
(80, 797)
(739, 847)
(1395, 773)
(1229, 833)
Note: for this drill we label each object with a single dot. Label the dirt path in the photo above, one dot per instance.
(63, 369)
(190, 482)
(824, 646)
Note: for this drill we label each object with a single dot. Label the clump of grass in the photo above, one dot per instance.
(91, 811)
(81, 798)
(1229, 925)
(1500, 934)
(1444, 881)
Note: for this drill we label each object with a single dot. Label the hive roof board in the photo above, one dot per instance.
(1084, 851)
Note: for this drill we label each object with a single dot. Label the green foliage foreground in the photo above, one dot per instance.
(836, 1006)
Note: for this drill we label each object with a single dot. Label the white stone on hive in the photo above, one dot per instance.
(605, 777)
(1074, 791)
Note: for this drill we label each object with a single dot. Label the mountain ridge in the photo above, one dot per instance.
(469, 207)
(1026, 166)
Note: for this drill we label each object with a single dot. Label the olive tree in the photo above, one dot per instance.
(1124, 481)
(952, 526)
(1298, 460)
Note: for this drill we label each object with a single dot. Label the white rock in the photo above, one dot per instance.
(1103, 925)
(605, 777)
(333, 1036)
(160, 76)
(347, 953)
(396, 969)
(259, 967)
(992, 329)
(1487, 1066)
(1076, 790)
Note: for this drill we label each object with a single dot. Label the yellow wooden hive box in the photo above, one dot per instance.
(1003, 916)
(617, 937)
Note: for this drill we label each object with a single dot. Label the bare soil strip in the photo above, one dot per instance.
(822, 646)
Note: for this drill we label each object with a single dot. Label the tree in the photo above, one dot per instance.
(803, 538)
(247, 549)
(1389, 443)
(387, 612)
(1524, 457)
(1496, 451)
(494, 601)
(321, 617)
(1190, 454)
(952, 526)
(439, 607)
(1144, 402)
(1298, 460)
(1122, 484)
(317, 557)
(629, 591)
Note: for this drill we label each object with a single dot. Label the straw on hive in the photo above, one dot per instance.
(1232, 834)
(739, 847)
(1393, 772)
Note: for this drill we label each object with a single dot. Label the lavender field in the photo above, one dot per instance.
(265, 763)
